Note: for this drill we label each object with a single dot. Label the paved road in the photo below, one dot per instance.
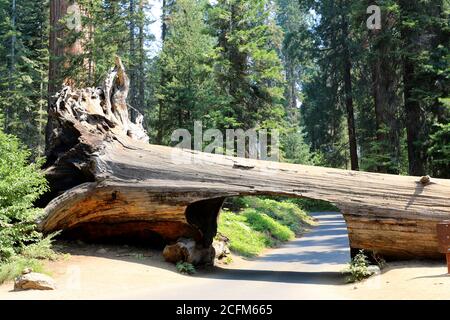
(306, 268)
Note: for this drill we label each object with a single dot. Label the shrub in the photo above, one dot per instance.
(263, 223)
(313, 205)
(185, 268)
(357, 269)
(41, 249)
(21, 183)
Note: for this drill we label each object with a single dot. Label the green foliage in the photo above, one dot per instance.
(13, 268)
(41, 249)
(243, 239)
(228, 260)
(313, 205)
(185, 268)
(248, 68)
(358, 268)
(21, 183)
(439, 150)
(186, 66)
(23, 71)
(252, 64)
(286, 212)
(295, 148)
(263, 223)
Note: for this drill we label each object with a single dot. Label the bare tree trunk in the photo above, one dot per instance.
(386, 102)
(414, 122)
(414, 115)
(349, 99)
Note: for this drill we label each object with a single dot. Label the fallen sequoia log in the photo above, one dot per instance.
(107, 182)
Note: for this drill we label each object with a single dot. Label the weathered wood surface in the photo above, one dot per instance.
(107, 181)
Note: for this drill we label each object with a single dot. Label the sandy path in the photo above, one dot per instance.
(306, 268)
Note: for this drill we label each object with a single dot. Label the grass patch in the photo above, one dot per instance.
(285, 212)
(254, 223)
(265, 224)
(243, 239)
(31, 256)
(10, 270)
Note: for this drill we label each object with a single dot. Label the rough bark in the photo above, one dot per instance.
(59, 47)
(414, 123)
(413, 112)
(349, 98)
(385, 79)
(107, 181)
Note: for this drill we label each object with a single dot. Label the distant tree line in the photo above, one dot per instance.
(340, 94)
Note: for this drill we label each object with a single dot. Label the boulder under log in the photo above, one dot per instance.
(108, 181)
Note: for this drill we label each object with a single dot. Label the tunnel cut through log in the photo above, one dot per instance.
(107, 180)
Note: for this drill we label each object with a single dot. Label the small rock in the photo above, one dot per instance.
(221, 248)
(102, 251)
(425, 180)
(34, 281)
(27, 271)
(374, 270)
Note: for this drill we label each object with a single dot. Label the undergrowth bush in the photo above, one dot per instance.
(14, 267)
(21, 183)
(357, 269)
(313, 205)
(185, 268)
(41, 249)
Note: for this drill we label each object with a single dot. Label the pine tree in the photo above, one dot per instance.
(188, 90)
(249, 70)
(328, 90)
(23, 65)
(293, 19)
(425, 36)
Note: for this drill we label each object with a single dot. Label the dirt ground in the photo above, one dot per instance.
(123, 272)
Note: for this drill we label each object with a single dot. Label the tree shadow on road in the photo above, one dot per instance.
(294, 277)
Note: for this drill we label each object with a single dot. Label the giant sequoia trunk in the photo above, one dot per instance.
(107, 181)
